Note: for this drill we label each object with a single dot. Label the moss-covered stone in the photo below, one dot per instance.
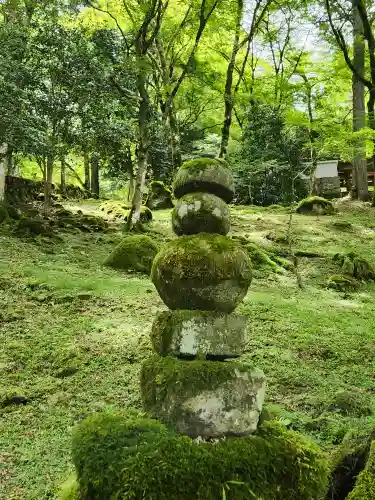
(351, 403)
(146, 215)
(315, 205)
(134, 252)
(204, 271)
(159, 196)
(353, 265)
(342, 283)
(364, 488)
(199, 334)
(276, 464)
(203, 398)
(34, 227)
(104, 441)
(200, 213)
(209, 175)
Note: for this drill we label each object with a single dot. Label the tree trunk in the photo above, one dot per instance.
(86, 165)
(63, 177)
(48, 185)
(359, 175)
(143, 112)
(3, 152)
(95, 175)
(228, 95)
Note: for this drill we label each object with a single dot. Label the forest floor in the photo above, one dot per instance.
(73, 335)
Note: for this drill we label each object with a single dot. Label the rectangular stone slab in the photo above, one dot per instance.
(185, 333)
(203, 398)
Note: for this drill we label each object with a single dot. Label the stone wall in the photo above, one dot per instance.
(20, 190)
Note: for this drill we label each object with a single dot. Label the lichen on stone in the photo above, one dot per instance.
(135, 252)
(200, 213)
(204, 175)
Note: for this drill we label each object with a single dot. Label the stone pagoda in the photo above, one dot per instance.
(195, 383)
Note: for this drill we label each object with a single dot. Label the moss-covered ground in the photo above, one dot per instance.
(73, 334)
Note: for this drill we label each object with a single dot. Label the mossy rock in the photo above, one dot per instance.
(364, 488)
(351, 403)
(133, 253)
(209, 175)
(203, 398)
(159, 196)
(34, 227)
(115, 208)
(146, 215)
(264, 260)
(199, 334)
(200, 213)
(276, 464)
(204, 271)
(342, 283)
(4, 215)
(353, 265)
(315, 205)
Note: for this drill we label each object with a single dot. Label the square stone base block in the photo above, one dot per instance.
(203, 398)
(190, 333)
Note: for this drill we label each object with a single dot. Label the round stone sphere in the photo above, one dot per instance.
(200, 213)
(203, 271)
(210, 175)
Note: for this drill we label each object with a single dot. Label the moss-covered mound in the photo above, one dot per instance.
(34, 227)
(315, 205)
(115, 460)
(200, 213)
(354, 266)
(115, 208)
(204, 271)
(209, 175)
(146, 215)
(263, 259)
(342, 283)
(159, 196)
(134, 252)
(364, 488)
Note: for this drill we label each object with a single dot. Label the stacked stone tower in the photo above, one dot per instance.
(194, 383)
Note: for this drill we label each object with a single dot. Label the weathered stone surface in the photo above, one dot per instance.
(199, 333)
(203, 398)
(210, 175)
(201, 213)
(204, 271)
(159, 196)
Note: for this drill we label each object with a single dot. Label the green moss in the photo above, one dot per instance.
(365, 485)
(69, 490)
(34, 227)
(342, 283)
(146, 215)
(102, 444)
(351, 403)
(204, 174)
(276, 464)
(201, 213)
(355, 266)
(262, 259)
(315, 205)
(134, 252)
(203, 271)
